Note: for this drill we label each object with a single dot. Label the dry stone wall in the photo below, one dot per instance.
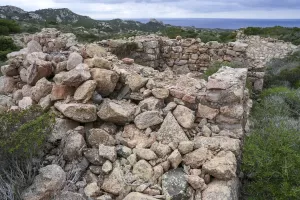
(192, 55)
(129, 131)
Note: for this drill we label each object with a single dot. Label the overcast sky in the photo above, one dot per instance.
(108, 9)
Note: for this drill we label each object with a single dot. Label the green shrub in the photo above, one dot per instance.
(6, 46)
(271, 155)
(10, 26)
(279, 32)
(22, 138)
(4, 30)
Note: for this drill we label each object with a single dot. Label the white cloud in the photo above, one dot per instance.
(167, 9)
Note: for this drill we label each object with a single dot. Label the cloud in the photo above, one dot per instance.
(169, 8)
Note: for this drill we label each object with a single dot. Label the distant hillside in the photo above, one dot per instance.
(64, 16)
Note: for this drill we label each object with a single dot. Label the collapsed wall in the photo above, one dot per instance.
(128, 131)
(192, 55)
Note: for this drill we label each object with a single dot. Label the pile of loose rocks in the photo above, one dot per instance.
(126, 131)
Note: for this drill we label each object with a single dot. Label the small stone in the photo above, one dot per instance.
(175, 159)
(85, 91)
(207, 178)
(145, 154)
(197, 158)
(207, 112)
(123, 151)
(92, 190)
(107, 167)
(186, 147)
(160, 93)
(135, 81)
(99, 136)
(196, 182)
(128, 61)
(161, 149)
(25, 103)
(92, 155)
(138, 196)
(132, 159)
(115, 183)
(206, 131)
(143, 170)
(108, 152)
(148, 119)
(215, 129)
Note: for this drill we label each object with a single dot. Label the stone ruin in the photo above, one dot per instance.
(128, 131)
(192, 55)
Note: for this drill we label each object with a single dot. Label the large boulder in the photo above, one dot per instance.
(119, 112)
(85, 91)
(106, 80)
(148, 119)
(61, 92)
(74, 60)
(34, 46)
(222, 167)
(138, 196)
(42, 88)
(93, 50)
(184, 116)
(79, 112)
(50, 180)
(35, 72)
(74, 77)
(170, 131)
(175, 185)
(225, 190)
(7, 84)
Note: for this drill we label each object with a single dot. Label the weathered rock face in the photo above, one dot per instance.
(74, 60)
(61, 127)
(115, 184)
(50, 180)
(143, 170)
(119, 112)
(7, 84)
(42, 88)
(78, 112)
(106, 80)
(74, 144)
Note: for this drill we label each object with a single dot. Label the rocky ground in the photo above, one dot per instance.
(127, 131)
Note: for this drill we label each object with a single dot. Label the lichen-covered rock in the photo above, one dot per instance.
(148, 119)
(161, 93)
(66, 195)
(174, 185)
(175, 159)
(108, 152)
(119, 112)
(25, 103)
(115, 183)
(222, 167)
(196, 182)
(207, 112)
(135, 81)
(50, 180)
(100, 136)
(170, 131)
(79, 112)
(73, 146)
(61, 127)
(145, 154)
(143, 170)
(92, 155)
(33, 46)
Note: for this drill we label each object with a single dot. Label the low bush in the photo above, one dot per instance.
(22, 138)
(279, 32)
(6, 46)
(8, 27)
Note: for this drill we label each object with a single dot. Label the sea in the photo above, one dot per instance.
(213, 23)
